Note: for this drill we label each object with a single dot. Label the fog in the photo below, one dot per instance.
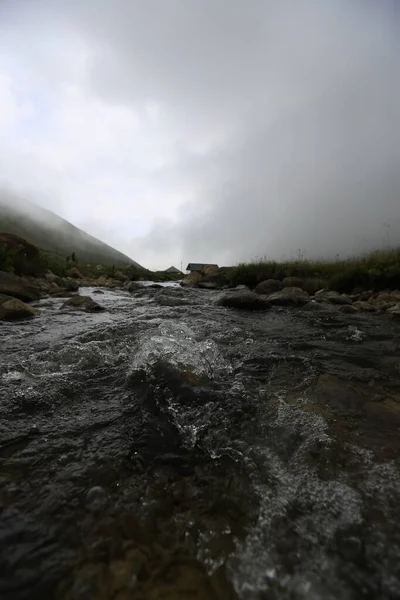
(202, 130)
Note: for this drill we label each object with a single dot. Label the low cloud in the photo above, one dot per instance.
(204, 130)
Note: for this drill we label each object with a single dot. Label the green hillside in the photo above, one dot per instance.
(54, 235)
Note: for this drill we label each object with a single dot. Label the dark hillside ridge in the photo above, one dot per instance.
(53, 234)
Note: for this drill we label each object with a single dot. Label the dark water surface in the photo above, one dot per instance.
(173, 452)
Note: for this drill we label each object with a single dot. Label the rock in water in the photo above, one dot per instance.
(84, 303)
(348, 309)
(96, 499)
(394, 311)
(213, 281)
(192, 279)
(290, 296)
(332, 297)
(269, 286)
(244, 300)
(13, 309)
(71, 285)
(171, 301)
(364, 306)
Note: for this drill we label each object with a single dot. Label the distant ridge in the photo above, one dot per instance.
(53, 234)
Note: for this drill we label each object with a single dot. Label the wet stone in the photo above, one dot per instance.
(96, 499)
(350, 547)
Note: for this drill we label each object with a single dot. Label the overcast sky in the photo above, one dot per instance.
(206, 130)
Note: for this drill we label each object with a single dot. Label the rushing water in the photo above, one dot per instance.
(169, 448)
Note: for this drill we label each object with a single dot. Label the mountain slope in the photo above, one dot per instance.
(50, 233)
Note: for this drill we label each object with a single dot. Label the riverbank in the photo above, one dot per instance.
(378, 270)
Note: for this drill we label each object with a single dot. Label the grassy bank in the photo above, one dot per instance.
(378, 270)
(16, 262)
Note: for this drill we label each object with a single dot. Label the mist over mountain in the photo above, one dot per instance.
(50, 233)
(207, 130)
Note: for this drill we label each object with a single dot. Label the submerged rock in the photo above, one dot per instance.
(163, 300)
(96, 499)
(13, 309)
(290, 296)
(244, 300)
(313, 306)
(85, 303)
(62, 294)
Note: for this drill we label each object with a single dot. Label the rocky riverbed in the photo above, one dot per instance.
(169, 447)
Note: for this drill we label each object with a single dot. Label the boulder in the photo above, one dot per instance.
(332, 297)
(84, 303)
(290, 296)
(386, 297)
(293, 282)
(214, 281)
(395, 296)
(244, 300)
(192, 279)
(313, 306)
(208, 269)
(364, 306)
(394, 311)
(75, 274)
(383, 306)
(51, 278)
(365, 296)
(348, 309)
(98, 292)
(132, 287)
(18, 287)
(311, 285)
(4, 298)
(71, 285)
(101, 281)
(269, 286)
(13, 309)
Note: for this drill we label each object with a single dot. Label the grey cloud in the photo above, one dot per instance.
(284, 117)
